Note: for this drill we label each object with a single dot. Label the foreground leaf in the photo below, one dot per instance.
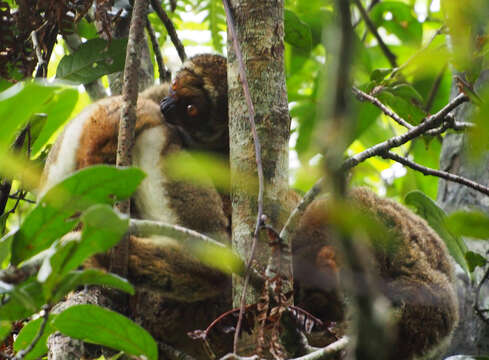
(93, 59)
(469, 223)
(91, 277)
(436, 218)
(29, 332)
(97, 325)
(56, 213)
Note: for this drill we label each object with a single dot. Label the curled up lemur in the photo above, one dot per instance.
(417, 276)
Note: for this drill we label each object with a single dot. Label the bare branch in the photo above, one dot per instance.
(371, 26)
(327, 352)
(429, 123)
(259, 166)
(170, 28)
(119, 256)
(362, 96)
(477, 308)
(22, 353)
(438, 173)
(163, 73)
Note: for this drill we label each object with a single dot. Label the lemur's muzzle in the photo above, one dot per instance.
(168, 106)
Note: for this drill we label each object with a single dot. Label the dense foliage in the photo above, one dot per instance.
(424, 45)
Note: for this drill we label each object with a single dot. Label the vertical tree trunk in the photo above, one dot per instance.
(472, 334)
(260, 31)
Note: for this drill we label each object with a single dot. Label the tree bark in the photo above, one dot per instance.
(260, 31)
(472, 334)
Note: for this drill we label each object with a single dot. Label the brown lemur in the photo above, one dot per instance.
(198, 99)
(417, 277)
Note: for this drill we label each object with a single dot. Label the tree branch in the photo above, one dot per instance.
(438, 173)
(371, 26)
(119, 257)
(429, 123)
(22, 353)
(362, 96)
(170, 28)
(163, 73)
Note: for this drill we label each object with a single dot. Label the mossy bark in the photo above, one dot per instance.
(260, 31)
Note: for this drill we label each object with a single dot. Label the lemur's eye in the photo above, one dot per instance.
(192, 110)
(174, 85)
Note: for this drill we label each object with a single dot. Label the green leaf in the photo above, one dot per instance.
(75, 279)
(94, 324)
(93, 59)
(86, 30)
(56, 213)
(29, 332)
(402, 21)
(102, 229)
(474, 260)
(408, 109)
(5, 243)
(57, 110)
(5, 329)
(379, 74)
(297, 32)
(19, 102)
(469, 223)
(436, 218)
(25, 300)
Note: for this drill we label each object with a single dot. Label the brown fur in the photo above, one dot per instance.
(417, 275)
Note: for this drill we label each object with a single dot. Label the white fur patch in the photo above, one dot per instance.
(65, 162)
(151, 198)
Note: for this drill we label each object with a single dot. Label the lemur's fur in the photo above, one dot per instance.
(417, 276)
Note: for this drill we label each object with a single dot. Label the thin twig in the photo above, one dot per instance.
(362, 96)
(22, 353)
(119, 257)
(370, 6)
(259, 166)
(18, 197)
(434, 89)
(371, 26)
(163, 73)
(477, 309)
(170, 28)
(438, 173)
(328, 351)
(430, 122)
(41, 66)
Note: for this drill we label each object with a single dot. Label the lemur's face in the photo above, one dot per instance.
(195, 107)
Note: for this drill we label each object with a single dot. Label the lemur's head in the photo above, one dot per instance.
(197, 104)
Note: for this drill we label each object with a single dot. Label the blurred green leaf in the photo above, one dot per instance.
(102, 229)
(57, 211)
(57, 110)
(474, 260)
(19, 102)
(436, 218)
(29, 332)
(5, 329)
(297, 32)
(407, 108)
(92, 60)
(24, 300)
(74, 279)
(85, 29)
(399, 19)
(469, 223)
(379, 74)
(96, 325)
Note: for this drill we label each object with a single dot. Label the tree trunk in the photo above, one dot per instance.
(260, 31)
(472, 334)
